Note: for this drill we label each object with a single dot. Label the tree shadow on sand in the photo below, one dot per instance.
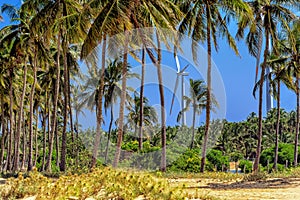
(275, 183)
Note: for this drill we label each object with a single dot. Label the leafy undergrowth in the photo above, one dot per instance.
(101, 183)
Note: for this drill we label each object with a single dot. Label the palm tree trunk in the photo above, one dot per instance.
(57, 146)
(36, 152)
(70, 110)
(44, 137)
(208, 97)
(99, 106)
(163, 166)
(66, 103)
(20, 120)
(31, 113)
(193, 128)
(122, 103)
(297, 123)
(24, 150)
(109, 132)
(19, 126)
(277, 127)
(77, 137)
(263, 68)
(141, 101)
(4, 136)
(11, 123)
(56, 95)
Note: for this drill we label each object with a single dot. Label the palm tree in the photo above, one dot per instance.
(197, 101)
(133, 116)
(267, 14)
(290, 57)
(277, 75)
(202, 21)
(112, 90)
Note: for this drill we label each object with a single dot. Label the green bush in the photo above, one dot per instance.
(216, 158)
(285, 153)
(246, 166)
(189, 161)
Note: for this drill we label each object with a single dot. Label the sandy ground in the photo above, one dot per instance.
(277, 188)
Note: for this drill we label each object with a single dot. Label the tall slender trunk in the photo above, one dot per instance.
(66, 103)
(297, 123)
(99, 106)
(109, 132)
(24, 146)
(20, 120)
(259, 140)
(11, 122)
(44, 137)
(3, 137)
(208, 97)
(31, 113)
(56, 95)
(141, 101)
(277, 127)
(57, 146)
(193, 128)
(122, 103)
(36, 152)
(70, 110)
(163, 166)
(77, 137)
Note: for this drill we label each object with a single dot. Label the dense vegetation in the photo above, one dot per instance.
(43, 90)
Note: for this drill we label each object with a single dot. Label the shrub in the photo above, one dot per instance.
(189, 161)
(285, 153)
(246, 166)
(216, 158)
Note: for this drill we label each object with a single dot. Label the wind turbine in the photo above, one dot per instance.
(269, 97)
(181, 73)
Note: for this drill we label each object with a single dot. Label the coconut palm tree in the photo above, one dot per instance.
(196, 101)
(268, 15)
(203, 21)
(133, 117)
(291, 58)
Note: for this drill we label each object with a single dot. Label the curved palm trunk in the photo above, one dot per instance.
(56, 95)
(109, 132)
(99, 106)
(19, 126)
(208, 97)
(122, 103)
(31, 113)
(193, 128)
(297, 123)
(259, 140)
(277, 127)
(141, 101)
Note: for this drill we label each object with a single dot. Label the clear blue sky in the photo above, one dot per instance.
(238, 75)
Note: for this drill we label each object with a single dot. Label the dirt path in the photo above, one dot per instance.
(281, 189)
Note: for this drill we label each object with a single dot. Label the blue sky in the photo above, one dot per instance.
(238, 75)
